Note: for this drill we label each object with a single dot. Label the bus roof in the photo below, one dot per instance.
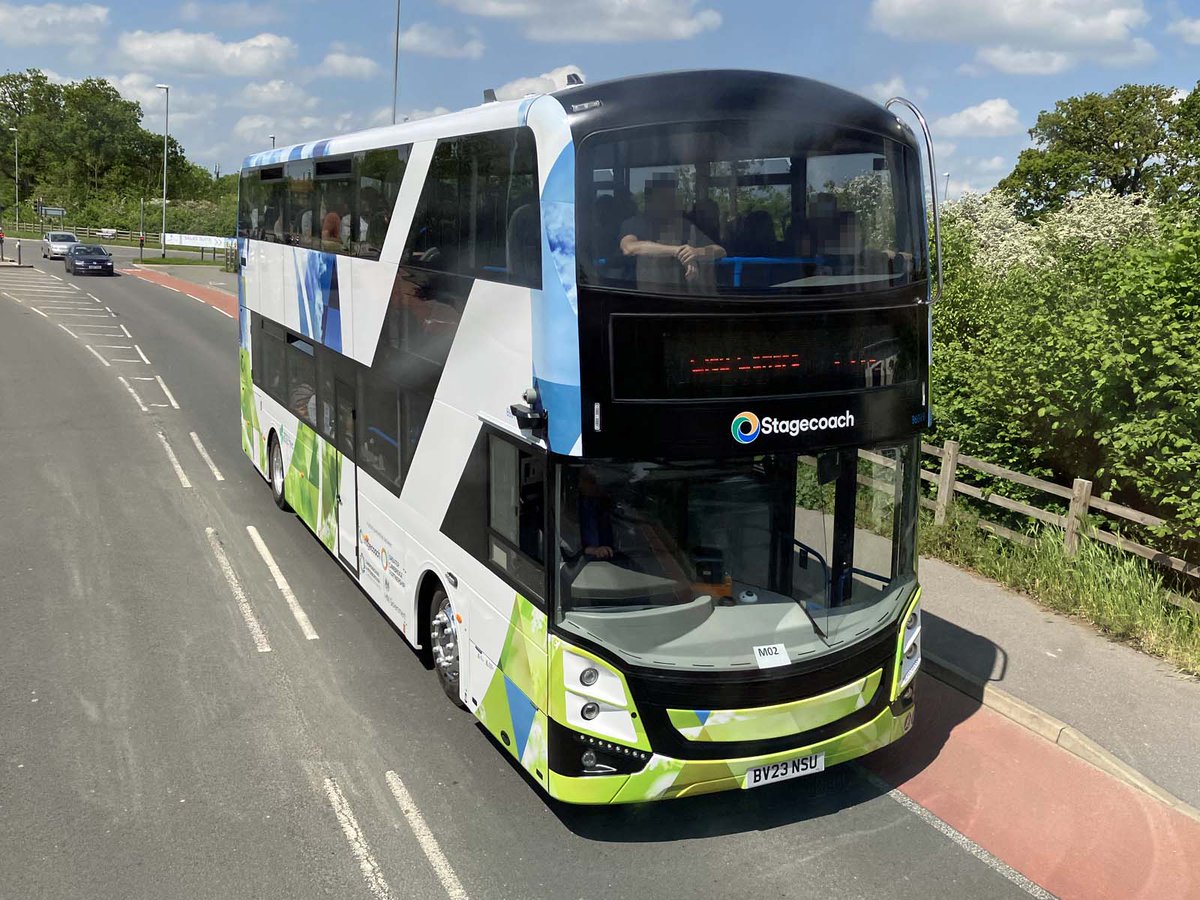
(691, 95)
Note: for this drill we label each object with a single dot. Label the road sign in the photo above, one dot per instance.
(54, 212)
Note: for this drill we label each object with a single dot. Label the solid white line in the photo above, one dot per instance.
(179, 473)
(124, 329)
(71, 333)
(376, 883)
(138, 361)
(429, 844)
(145, 359)
(166, 390)
(212, 467)
(137, 399)
(280, 582)
(96, 354)
(961, 839)
(256, 630)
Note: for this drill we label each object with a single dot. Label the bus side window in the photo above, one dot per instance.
(378, 174)
(379, 432)
(516, 515)
(326, 410)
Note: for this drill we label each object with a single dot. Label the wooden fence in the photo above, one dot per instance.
(1080, 506)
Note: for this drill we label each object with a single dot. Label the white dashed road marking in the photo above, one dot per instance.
(167, 392)
(136, 398)
(179, 473)
(429, 844)
(212, 467)
(96, 354)
(373, 875)
(256, 630)
(280, 582)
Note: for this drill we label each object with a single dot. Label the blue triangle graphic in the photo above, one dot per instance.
(521, 709)
(702, 714)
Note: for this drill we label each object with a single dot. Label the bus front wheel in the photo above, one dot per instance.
(275, 473)
(444, 645)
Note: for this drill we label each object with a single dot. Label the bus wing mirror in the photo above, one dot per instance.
(937, 221)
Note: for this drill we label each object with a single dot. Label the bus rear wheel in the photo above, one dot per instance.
(275, 473)
(443, 643)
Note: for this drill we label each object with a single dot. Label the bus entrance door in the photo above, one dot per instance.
(344, 394)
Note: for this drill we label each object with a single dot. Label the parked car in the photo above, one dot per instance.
(55, 244)
(82, 259)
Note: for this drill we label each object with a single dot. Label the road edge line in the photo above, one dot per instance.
(1053, 730)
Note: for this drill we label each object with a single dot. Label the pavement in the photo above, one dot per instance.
(150, 745)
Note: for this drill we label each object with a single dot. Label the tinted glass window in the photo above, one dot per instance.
(274, 375)
(326, 422)
(379, 173)
(479, 213)
(303, 208)
(749, 207)
(302, 379)
(516, 513)
(379, 432)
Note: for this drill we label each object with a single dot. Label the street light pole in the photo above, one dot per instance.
(396, 64)
(946, 193)
(166, 88)
(17, 176)
(272, 137)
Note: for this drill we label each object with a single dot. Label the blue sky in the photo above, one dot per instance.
(239, 71)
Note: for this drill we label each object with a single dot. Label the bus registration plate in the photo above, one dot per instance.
(782, 771)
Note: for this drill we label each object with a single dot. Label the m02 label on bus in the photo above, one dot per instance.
(769, 656)
(782, 771)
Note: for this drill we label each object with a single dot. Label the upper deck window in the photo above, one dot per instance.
(749, 207)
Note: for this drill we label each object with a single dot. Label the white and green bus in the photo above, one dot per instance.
(610, 399)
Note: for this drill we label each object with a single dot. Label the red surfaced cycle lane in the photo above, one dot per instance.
(222, 300)
(1060, 822)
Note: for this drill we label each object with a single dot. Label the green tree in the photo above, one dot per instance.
(1113, 142)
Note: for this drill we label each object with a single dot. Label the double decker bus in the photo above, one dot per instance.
(610, 400)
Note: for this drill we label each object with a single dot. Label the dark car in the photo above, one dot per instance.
(84, 258)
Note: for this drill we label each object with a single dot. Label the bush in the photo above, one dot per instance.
(1071, 348)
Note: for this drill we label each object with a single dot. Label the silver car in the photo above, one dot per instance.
(56, 244)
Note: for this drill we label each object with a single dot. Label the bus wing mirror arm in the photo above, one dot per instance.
(937, 222)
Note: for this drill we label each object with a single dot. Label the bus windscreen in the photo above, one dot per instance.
(754, 207)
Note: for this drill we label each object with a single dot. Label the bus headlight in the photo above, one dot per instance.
(595, 699)
(589, 676)
(590, 710)
(910, 660)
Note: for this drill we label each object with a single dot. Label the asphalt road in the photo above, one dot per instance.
(148, 748)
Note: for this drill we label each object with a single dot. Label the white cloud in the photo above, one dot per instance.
(206, 54)
(554, 80)
(1024, 62)
(254, 130)
(1025, 37)
(991, 164)
(235, 14)
(340, 64)
(1187, 29)
(599, 21)
(886, 90)
(51, 23)
(185, 106)
(276, 94)
(991, 118)
(432, 40)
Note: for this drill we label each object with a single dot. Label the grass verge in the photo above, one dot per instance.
(1121, 594)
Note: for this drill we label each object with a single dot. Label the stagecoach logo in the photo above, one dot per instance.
(747, 426)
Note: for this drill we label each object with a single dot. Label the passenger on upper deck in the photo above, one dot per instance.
(666, 245)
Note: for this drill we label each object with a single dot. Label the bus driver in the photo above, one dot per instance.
(663, 241)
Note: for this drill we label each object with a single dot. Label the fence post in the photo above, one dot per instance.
(946, 478)
(1081, 500)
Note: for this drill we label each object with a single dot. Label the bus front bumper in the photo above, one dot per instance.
(665, 778)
